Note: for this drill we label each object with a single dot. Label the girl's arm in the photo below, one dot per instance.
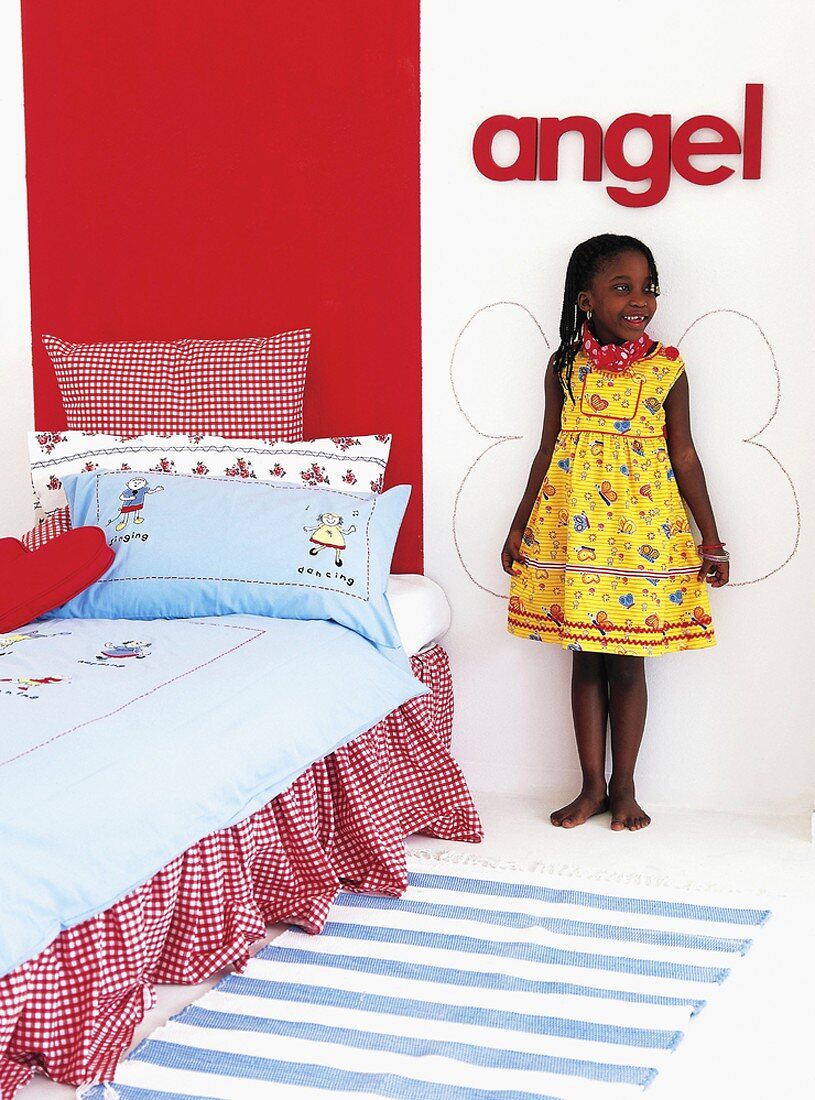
(553, 395)
(690, 477)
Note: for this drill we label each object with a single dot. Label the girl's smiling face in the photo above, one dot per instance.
(622, 298)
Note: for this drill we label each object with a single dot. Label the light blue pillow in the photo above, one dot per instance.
(188, 546)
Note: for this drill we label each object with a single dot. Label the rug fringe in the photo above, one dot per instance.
(568, 870)
(109, 1092)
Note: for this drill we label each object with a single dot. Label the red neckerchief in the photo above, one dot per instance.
(614, 357)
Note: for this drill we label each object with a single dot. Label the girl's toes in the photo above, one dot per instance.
(617, 825)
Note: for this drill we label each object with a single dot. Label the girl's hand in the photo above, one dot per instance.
(512, 551)
(716, 573)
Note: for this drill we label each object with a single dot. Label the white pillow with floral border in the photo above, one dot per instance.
(342, 462)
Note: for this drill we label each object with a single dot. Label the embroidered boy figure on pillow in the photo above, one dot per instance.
(132, 498)
(329, 532)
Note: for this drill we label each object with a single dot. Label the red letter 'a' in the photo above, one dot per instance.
(553, 129)
(526, 131)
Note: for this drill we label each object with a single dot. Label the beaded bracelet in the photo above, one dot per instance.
(724, 556)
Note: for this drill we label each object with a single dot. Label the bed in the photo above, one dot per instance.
(245, 714)
(145, 895)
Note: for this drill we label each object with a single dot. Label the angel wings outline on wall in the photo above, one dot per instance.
(760, 362)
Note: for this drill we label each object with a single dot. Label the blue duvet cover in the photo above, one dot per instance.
(124, 742)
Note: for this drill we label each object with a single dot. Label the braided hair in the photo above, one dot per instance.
(584, 263)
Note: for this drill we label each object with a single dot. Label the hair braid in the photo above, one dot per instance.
(584, 263)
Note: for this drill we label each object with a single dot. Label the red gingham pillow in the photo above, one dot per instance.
(251, 388)
(46, 529)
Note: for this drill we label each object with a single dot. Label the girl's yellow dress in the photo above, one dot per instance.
(610, 561)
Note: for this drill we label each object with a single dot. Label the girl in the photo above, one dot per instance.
(600, 551)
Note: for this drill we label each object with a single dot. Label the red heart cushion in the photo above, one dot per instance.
(34, 581)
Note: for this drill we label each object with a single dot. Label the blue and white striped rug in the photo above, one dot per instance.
(477, 984)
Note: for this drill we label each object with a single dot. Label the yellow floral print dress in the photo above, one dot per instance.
(610, 562)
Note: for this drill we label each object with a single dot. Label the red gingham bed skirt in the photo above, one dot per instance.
(71, 1011)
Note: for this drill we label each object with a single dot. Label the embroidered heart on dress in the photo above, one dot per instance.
(622, 426)
(677, 597)
(627, 600)
(597, 402)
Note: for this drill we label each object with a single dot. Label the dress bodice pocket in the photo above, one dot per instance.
(609, 396)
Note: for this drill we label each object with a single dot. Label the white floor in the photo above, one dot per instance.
(754, 1040)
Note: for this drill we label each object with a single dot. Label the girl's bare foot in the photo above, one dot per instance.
(589, 802)
(626, 812)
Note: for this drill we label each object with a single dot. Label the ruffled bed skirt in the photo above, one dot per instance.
(71, 1011)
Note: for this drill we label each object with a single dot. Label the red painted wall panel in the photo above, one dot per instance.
(214, 169)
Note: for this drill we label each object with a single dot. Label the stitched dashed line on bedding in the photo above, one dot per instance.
(273, 486)
(258, 633)
(241, 580)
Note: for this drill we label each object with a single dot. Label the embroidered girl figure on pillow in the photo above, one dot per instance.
(132, 498)
(329, 532)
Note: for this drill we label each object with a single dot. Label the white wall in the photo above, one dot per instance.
(729, 728)
(16, 394)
